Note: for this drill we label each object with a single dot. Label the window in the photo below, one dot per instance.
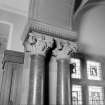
(88, 84)
(76, 71)
(94, 70)
(95, 95)
(76, 95)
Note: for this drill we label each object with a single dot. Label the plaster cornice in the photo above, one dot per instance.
(40, 27)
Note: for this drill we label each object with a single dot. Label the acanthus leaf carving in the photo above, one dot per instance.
(65, 48)
(37, 43)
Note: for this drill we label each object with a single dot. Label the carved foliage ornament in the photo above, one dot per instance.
(38, 44)
(65, 48)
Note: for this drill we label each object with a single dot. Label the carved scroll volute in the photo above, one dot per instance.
(38, 44)
(65, 48)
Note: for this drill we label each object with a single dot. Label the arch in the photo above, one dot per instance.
(83, 9)
(91, 30)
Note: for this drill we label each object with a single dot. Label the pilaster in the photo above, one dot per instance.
(12, 76)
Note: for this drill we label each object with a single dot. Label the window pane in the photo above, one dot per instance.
(76, 95)
(96, 95)
(94, 71)
(76, 71)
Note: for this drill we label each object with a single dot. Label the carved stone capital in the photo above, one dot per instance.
(65, 48)
(37, 44)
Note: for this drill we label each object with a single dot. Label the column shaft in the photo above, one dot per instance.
(36, 80)
(63, 82)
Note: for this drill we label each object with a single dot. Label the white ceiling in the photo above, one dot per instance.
(17, 6)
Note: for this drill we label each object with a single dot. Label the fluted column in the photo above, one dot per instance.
(63, 52)
(37, 45)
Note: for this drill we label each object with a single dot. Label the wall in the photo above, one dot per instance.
(18, 23)
(56, 12)
(92, 31)
(16, 6)
(11, 29)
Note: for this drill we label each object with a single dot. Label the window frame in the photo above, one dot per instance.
(84, 81)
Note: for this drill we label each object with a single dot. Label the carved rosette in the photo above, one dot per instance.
(65, 48)
(37, 43)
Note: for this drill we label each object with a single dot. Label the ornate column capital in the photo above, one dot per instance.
(65, 48)
(37, 44)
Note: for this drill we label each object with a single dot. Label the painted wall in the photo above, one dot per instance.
(92, 31)
(55, 12)
(20, 6)
(17, 23)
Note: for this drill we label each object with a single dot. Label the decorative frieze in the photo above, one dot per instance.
(37, 44)
(50, 30)
(65, 48)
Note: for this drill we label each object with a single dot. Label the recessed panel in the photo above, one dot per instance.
(55, 12)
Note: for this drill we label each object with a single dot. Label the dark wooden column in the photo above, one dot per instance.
(63, 52)
(11, 81)
(37, 45)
